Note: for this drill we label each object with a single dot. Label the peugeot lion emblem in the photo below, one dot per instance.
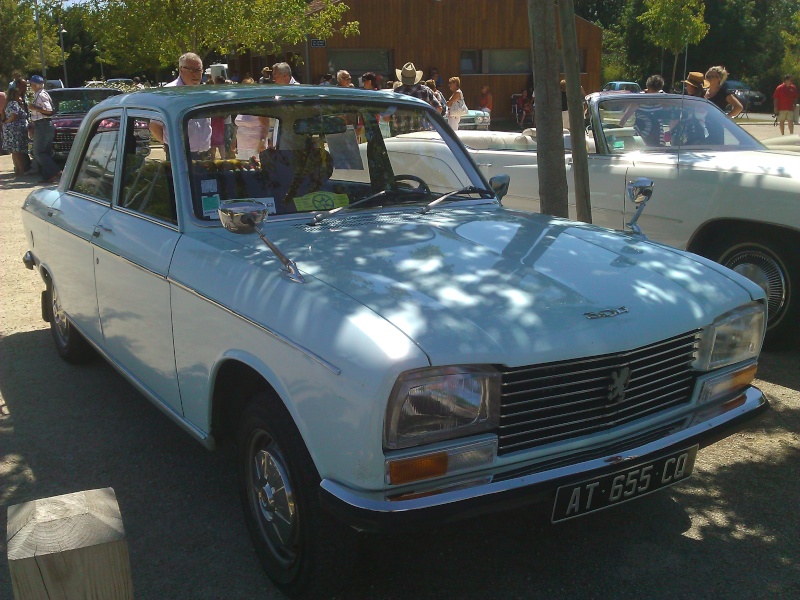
(620, 379)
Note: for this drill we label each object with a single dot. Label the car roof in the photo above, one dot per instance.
(181, 98)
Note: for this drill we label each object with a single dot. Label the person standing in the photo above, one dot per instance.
(694, 84)
(718, 92)
(43, 131)
(369, 81)
(282, 74)
(439, 96)
(409, 85)
(783, 100)
(343, 79)
(190, 72)
(15, 131)
(265, 76)
(456, 107)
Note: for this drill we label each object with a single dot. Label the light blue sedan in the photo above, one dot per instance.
(324, 279)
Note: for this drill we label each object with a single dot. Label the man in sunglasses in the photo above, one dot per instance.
(190, 72)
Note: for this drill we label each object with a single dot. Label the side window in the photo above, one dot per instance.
(146, 173)
(96, 173)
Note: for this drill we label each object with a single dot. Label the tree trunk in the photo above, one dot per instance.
(575, 102)
(549, 129)
(674, 69)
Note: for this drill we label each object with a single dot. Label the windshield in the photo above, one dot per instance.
(81, 100)
(318, 155)
(656, 122)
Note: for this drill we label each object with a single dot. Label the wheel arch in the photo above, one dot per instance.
(711, 233)
(235, 379)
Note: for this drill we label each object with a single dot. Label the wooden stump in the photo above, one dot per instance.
(70, 546)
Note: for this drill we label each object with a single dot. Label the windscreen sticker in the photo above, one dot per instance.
(320, 201)
(208, 186)
(210, 205)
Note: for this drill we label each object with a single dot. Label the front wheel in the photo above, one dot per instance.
(301, 549)
(70, 344)
(776, 270)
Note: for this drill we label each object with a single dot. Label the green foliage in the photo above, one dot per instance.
(152, 34)
(791, 58)
(672, 24)
(19, 42)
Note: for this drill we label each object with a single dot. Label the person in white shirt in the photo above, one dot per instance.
(43, 131)
(190, 72)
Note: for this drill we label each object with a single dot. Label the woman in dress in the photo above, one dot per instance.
(719, 93)
(456, 98)
(15, 130)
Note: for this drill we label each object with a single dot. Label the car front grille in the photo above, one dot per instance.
(542, 404)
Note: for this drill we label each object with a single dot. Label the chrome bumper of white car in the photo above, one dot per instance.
(530, 484)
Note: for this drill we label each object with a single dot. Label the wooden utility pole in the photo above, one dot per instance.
(553, 192)
(575, 100)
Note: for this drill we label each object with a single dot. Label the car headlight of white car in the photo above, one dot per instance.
(440, 403)
(734, 337)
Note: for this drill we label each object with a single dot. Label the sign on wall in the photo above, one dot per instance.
(315, 43)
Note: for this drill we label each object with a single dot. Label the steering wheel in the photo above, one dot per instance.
(421, 188)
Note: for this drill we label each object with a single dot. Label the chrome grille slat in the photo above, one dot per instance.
(542, 404)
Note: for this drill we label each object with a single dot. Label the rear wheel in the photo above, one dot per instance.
(70, 344)
(771, 265)
(304, 552)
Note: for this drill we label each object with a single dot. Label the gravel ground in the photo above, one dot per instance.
(731, 531)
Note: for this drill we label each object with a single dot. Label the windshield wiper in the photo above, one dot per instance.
(320, 217)
(470, 189)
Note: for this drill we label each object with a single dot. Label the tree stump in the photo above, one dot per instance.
(70, 546)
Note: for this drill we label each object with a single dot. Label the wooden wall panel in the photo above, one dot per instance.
(432, 33)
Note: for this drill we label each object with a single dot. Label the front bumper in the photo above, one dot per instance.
(532, 484)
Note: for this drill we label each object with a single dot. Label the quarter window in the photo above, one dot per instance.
(96, 173)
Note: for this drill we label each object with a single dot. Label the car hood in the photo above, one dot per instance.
(504, 286)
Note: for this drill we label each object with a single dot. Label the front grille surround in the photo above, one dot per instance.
(566, 400)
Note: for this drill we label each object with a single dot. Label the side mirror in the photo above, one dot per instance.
(499, 185)
(639, 191)
(241, 217)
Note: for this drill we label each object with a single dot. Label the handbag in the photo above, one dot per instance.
(459, 108)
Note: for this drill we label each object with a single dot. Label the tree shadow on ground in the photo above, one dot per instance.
(731, 530)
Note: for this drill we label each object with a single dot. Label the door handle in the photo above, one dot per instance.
(484, 164)
(99, 228)
(52, 211)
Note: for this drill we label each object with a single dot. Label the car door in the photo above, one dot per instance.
(133, 243)
(73, 217)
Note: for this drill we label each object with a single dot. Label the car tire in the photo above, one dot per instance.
(303, 551)
(776, 269)
(70, 344)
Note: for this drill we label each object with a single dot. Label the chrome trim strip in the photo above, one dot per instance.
(374, 502)
(203, 437)
(332, 368)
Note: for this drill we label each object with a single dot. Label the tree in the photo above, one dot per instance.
(152, 34)
(672, 24)
(791, 58)
(19, 43)
(553, 191)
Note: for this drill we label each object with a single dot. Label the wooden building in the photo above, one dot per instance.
(484, 42)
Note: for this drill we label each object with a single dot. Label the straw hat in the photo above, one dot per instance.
(408, 74)
(696, 79)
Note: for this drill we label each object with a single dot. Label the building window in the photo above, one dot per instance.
(358, 62)
(507, 62)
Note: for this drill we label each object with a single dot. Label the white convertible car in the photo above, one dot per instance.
(720, 193)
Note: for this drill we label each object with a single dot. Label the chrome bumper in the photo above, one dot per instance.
(373, 512)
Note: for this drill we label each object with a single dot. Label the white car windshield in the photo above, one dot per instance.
(657, 122)
(317, 155)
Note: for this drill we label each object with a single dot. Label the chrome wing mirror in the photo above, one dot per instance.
(639, 192)
(499, 185)
(246, 217)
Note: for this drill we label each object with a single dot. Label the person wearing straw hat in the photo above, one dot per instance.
(409, 85)
(695, 84)
(265, 76)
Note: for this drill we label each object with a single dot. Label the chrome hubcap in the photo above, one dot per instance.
(763, 269)
(59, 318)
(272, 498)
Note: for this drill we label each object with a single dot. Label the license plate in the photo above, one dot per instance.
(578, 499)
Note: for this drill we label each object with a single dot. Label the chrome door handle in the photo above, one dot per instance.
(52, 211)
(99, 228)
(484, 164)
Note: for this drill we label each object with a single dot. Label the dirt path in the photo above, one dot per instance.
(733, 530)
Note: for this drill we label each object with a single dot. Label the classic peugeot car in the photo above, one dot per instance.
(720, 192)
(475, 120)
(383, 343)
